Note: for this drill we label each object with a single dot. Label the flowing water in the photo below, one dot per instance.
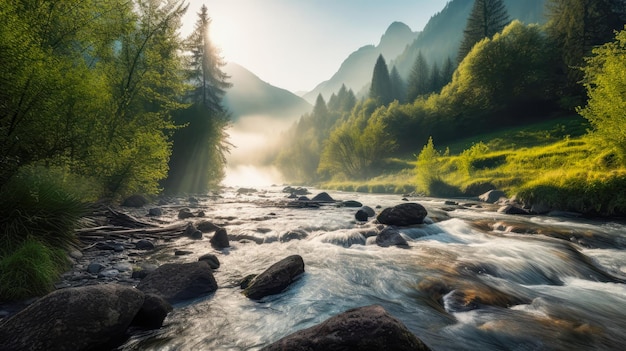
(472, 279)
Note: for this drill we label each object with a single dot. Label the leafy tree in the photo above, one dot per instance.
(512, 67)
(419, 80)
(199, 147)
(355, 148)
(428, 168)
(605, 81)
(487, 18)
(90, 88)
(381, 89)
(575, 27)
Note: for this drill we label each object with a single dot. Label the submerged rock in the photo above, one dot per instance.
(323, 197)
(84, 318)
(513, 210)
(176, 282)
(368, 328)
(403, 215)
(390, 237)
(351, 204)
(276, 278)
(211, 259)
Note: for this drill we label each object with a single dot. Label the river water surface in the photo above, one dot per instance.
(472, 279)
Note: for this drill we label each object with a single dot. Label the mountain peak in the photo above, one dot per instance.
(396, 31)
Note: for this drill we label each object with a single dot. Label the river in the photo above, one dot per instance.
(472, 279)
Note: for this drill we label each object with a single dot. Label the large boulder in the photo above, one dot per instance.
(176, 282)
(83, 318)
(368, 328)
(276, 278)
(403, 215)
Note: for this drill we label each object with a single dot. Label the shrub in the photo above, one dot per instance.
(30, 271)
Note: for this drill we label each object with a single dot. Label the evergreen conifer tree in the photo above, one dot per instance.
(381, 89)
(397, 85)
(419, 80)
(199, 148)
(487, 18)
(577, 26)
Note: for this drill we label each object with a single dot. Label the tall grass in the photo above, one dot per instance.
(37, 205)
(38, 215)
(30, 271)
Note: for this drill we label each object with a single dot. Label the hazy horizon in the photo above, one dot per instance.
(297, 44)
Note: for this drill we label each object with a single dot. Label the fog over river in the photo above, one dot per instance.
(471, 279)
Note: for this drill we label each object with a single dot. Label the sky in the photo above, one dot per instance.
(297, 44)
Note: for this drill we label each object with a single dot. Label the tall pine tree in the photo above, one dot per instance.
(397, 85)
(199, 147)
(419, 80)
(487, 18)
(381, 89)
(575, 27)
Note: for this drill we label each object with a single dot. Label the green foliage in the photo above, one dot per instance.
(381, 89)
(90, 86)
(419, 80)
(31, 270)
(591, 193)
(605, 80)
(356, 148)
(467, 159)
(428, 168)
(574, 28)
(36, 204)
(487, 18)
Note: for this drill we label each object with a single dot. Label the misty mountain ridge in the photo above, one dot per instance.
(250, 95)
(351, 73)
(399, 45)
(443, 33)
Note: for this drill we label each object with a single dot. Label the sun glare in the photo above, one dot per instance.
(251, 176)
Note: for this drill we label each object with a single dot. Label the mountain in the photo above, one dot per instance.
(249, 96)
(356, 70)
(439, 40)
(442, 34)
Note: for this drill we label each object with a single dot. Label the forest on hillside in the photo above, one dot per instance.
(106, 92)
(506, 73)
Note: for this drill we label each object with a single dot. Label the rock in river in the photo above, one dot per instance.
(368, 328)
(276, 278)
(84, 318)
(403, 215)
(176, 282)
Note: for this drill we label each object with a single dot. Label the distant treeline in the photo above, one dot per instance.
(508, 74)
